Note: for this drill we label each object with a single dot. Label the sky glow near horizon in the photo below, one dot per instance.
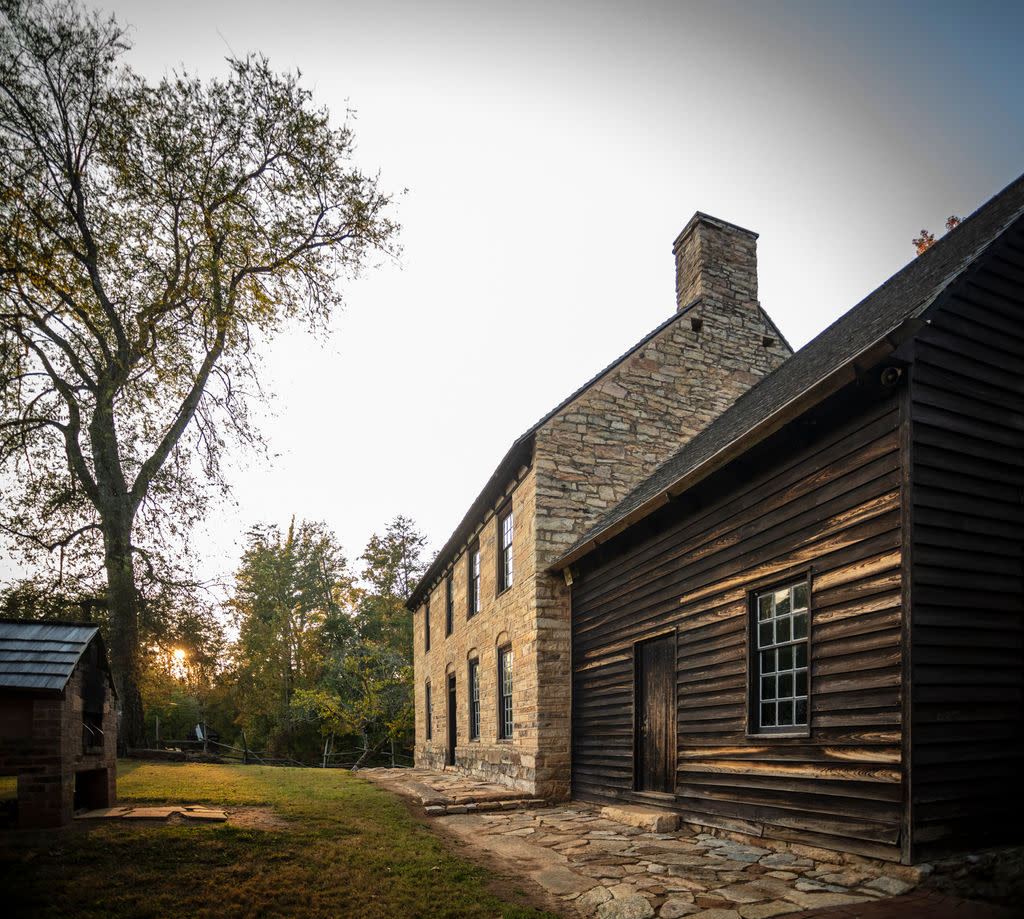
(551, 152)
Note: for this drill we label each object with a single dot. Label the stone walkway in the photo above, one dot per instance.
(625, 863)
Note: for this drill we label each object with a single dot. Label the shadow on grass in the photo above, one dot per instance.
(354, 851)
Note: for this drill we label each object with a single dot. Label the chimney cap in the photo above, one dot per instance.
(701, 217)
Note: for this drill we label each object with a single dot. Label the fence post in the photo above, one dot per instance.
(158, 732)
(245, 750)
(326, 742)
(392, 752)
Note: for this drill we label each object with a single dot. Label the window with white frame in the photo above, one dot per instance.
(474, 700)
(449, 605)
(473, 581)
(505, 561)
(505, 693)
(781, 670)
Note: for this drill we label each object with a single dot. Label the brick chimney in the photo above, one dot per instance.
(715, 260)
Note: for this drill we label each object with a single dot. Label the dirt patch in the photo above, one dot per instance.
(258, 818)
(509, 881)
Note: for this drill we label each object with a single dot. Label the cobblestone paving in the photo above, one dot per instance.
(611, 869)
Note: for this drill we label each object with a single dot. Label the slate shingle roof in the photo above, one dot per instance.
(41, 655)
(890, 313)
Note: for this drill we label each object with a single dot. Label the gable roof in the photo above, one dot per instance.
(519, 454)
(858, 339)
(41, 655)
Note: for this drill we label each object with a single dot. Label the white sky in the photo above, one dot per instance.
(551, 153)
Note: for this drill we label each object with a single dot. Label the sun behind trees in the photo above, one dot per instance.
(146, 233)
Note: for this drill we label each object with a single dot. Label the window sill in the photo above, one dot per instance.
(781, 735)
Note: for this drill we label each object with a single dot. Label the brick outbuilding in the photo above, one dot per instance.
(58, 721)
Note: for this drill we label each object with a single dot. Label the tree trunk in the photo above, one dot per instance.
(124, 626)
(369, 751)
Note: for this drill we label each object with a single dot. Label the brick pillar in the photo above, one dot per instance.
(715, 260)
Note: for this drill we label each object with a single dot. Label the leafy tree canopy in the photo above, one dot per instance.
(148, 235)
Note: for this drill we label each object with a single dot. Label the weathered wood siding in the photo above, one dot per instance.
(967, 589)
(820, 498)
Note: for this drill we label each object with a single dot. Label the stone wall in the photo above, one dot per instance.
(504, 618)
(614, 435)
(586, 459)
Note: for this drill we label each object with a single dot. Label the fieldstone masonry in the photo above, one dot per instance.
(585, 458)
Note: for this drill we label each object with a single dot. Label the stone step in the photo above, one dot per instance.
(482, 807)
(652, 819)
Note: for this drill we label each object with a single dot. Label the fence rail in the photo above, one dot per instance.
(331, 759)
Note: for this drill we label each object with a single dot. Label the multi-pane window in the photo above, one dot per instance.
(505, 693)
(505, 566)
(474, 700)
(473, 582)
(430, 714)
(426, 626)
(781, 632)
(449, 605)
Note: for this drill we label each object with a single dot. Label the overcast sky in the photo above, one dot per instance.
(550, 153)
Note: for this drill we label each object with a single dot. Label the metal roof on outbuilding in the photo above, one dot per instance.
(41, 655)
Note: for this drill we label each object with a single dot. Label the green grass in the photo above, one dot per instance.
(352, 851)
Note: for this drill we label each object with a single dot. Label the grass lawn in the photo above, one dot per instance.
(351, 850)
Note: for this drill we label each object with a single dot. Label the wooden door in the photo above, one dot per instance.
(656, 714)
(450, 752)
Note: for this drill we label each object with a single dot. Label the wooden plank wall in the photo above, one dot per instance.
(823, 498)
(967, 656)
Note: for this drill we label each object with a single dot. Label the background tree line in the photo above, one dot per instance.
(321, 647)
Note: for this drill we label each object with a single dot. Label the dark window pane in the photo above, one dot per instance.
(765, 634)
(782, 629)
(764, 607)
(801, 711)
(801, 654)
(786, 658)
(785, 713)
(767, 662)
(800, 625)
(785, 685)
(768, 687)
(800, 596)
(768, 714)
(801, 682)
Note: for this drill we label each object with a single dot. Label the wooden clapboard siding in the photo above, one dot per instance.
(821, 497)
(967, 553)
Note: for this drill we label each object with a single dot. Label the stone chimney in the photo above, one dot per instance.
(715, 260)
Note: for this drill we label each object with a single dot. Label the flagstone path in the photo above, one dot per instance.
(614, 863)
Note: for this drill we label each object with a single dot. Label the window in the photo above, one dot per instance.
(474, 700)
(473, 582)
(505, 693)
(449, 605)
(505, 551)
(430, 714)
(781, 672)
(426, 626)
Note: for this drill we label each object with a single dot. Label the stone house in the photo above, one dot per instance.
(808, 624)
(58, 722)
(491, 621)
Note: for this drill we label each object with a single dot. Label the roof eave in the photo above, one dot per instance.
(791, 410)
